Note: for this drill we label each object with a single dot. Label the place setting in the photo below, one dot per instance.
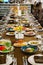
(34, 59)
(37, 59)
(6, 49)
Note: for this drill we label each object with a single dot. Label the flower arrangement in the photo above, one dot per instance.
(19, 28)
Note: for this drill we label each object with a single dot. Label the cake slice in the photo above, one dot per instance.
(38, 59)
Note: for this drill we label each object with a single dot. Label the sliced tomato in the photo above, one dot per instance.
(2, 48)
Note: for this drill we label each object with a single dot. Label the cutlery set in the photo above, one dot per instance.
(25, 60)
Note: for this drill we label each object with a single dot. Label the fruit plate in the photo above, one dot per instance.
(29, 49)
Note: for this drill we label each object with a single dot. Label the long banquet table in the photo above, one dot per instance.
(17, 52)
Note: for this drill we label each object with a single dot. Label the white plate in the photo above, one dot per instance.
(38, 42)
(28, 34)
(8, 60)
(31, 60)
(28, 29)
(40, 30)
(5, 40)
(9, 34)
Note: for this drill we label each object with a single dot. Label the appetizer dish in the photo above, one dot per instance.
(28, 29)
(20, 44)
(10, 29)
(40, 29)
(29, 33)
(10, 33)
(29, 49)
(10, 21)
(13, 16)
(4, 42)
(26, 25)
(34, 42)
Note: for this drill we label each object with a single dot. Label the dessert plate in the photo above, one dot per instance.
(32, 61)
(8, 60)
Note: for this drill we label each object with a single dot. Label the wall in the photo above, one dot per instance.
(37, 1)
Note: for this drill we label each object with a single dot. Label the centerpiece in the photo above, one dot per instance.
(19, 32)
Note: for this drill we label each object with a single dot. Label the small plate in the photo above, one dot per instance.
(10, 33)
(26, 25)
(32, 61)
(8, 60)
(29, 34)
(10, 29)
(40, 30)
(3, 41)
(29, 49)
(34, 42)
(28, 29)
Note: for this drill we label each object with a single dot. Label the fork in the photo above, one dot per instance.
(25, 60)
